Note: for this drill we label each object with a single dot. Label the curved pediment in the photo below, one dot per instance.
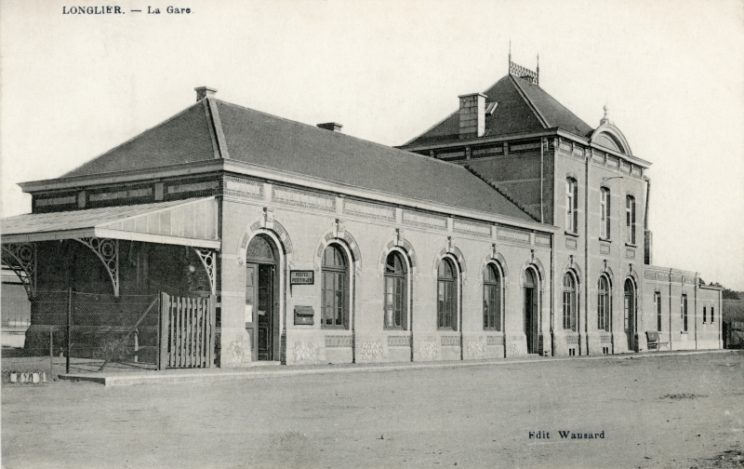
(609, 136)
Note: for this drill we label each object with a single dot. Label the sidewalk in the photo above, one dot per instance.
(272, 370)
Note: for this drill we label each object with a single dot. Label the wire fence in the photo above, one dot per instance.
(82, 332)
(90, 331)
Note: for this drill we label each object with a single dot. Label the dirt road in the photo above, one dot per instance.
(652, 411)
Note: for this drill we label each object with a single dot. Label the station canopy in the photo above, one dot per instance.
(186, 222)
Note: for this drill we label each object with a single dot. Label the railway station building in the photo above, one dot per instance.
(509, 228)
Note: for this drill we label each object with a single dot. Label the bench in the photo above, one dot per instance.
(654, 340)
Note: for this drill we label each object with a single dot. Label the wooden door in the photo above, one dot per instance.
(265, 312)
(629, 307)
(251, 302)
(530, 319)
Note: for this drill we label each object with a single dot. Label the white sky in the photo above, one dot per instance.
(671, 72)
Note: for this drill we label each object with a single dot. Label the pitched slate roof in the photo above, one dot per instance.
(184, 138)
(523, 107)
(212, 128)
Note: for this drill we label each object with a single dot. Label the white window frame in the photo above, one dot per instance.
(572, 206)
(605, 222)
(630, 219)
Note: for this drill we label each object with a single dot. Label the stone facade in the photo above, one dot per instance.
(371, 231)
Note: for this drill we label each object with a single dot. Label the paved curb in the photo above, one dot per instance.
(212, 375)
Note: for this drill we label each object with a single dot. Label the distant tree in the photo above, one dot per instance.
(729, 294)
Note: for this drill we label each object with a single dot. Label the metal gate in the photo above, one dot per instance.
(187, 332)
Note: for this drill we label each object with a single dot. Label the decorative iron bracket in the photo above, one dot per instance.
(208, 260)
(107, 250)
(21, 259)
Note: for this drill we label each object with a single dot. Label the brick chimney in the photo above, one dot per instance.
(332, 126)
(203, 92)
(472, 115)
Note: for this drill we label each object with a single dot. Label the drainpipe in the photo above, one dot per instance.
(552, 302)
(587, 155)
(646, 240)
(543, 142)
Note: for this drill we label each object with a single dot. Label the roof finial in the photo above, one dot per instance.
(537, 69)
(605, 118)
(509, 52)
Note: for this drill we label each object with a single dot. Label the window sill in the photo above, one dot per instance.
(446, 329)
(492, 330)
(572, 234)
(395, 329)
(631, 245)
(334, 328)
(605, 240)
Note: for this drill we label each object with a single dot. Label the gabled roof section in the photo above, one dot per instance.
(184, 138)
(522, 107)
(292, 147)
(212, 128)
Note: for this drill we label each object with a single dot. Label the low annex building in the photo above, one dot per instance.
(510, 228)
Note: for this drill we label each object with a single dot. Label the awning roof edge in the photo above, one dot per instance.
(187, 222)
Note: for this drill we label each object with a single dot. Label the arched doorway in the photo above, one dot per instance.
(629, 314)
(531, 311)
(262, 298)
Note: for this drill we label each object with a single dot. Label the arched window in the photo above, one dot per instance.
(572, 206)
(395, 291)
(569, 302)
(492, 285)
(335, 288)
(446, 295)
(603, 303)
